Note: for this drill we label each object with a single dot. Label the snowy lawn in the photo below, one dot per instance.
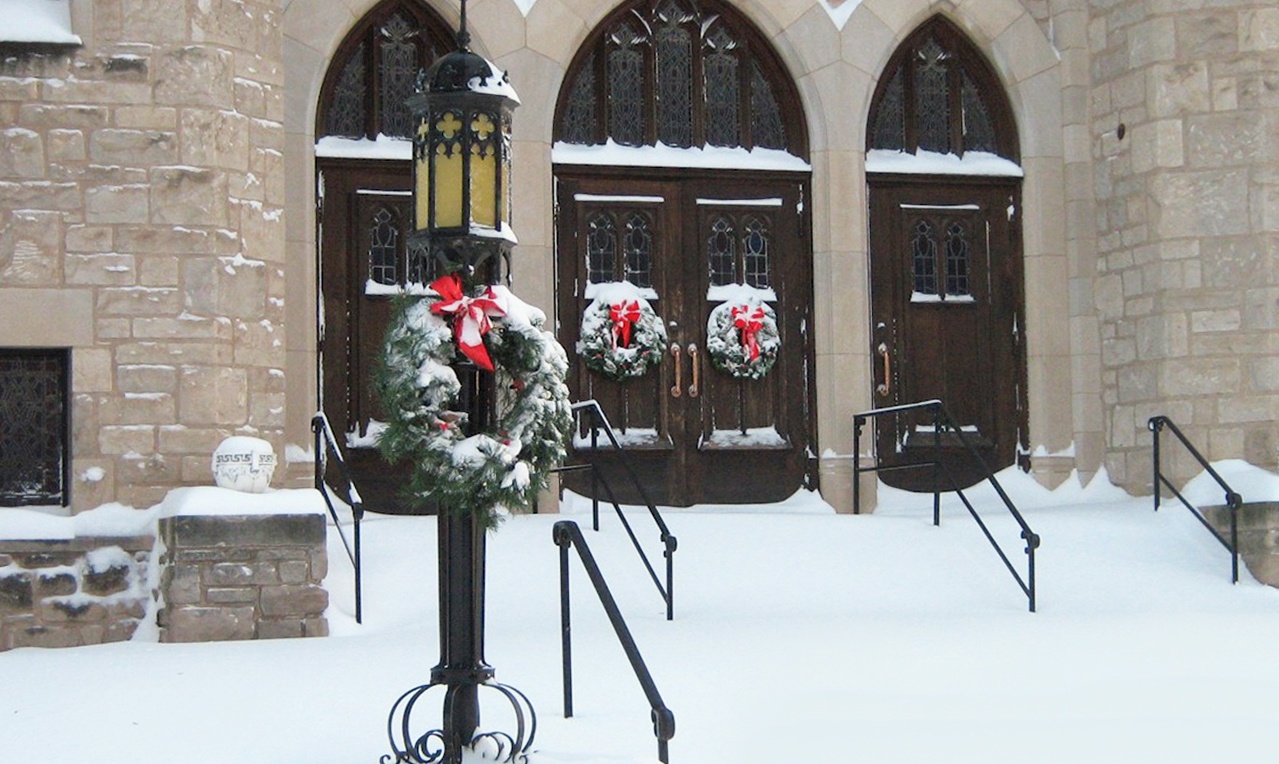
(799, 636)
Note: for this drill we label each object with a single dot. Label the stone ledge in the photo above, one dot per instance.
(219, 531)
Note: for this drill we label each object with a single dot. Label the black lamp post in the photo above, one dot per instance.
(462, 211)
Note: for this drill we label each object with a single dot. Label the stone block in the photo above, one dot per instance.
(184, 327)
(16, 592)
(1178, 89)
(231, 595)
(1259, 29)
(66, 146)
(145, 117)
(213, 395)
(137, 409)
(30, 249)
(123, 439)
(208, 624)
(133, 148)
(293, 571)
(102, 583)
(231, 287)
(181, 585)
(188, 196)
(294, 600)
(281, 628)
(159, 272)
(146, 378)
(152, 470)
(117, 204)
(23, 156)
(215, 138)
(224, 574)
(316, 627)
(37, 635)
(59, 610)
(180, 439)
(55, 584)
(243, 531)
(194, 75)
(109, 269)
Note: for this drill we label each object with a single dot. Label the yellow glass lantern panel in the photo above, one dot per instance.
(422, 181)
(484, 171)
(449, 175)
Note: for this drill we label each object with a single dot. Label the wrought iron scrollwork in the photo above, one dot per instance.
(431, 747)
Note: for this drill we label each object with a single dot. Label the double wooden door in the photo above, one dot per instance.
(947, 322)
(693, 433)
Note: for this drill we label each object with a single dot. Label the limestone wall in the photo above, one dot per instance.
(1186, 175)
(141, 200)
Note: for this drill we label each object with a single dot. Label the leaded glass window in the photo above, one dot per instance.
(939, 94)
(375, 69)
(958, 260)
(423, 269)
(579, 117)
(685, 73)
(721, 252)
(923, 248)
(626, 89)
(384, 248)
(33, 426)
(639, 250)
(722, 91)
(755, 253)
(601, 249)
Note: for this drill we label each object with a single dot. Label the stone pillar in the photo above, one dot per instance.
(242, 577)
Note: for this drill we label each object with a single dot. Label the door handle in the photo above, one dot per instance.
(886, 386)
(677, 390)
(694, 389)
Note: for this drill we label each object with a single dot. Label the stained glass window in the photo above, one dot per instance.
(939, 94)
(601, 249)
(924, 251)
(755, 253)
(686, 73)
(957, 260)
(639, 250)
(721, 252)
(423, 269)
(384, 245)
(375, 69)
(33, 426)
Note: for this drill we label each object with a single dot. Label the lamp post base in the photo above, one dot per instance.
(434, 745)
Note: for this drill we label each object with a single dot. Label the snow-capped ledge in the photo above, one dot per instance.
(881, 161)
(38, 22)
(661, 155)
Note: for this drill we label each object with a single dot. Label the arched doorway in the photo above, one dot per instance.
(365, 192)
(947, 316)
(681, 167)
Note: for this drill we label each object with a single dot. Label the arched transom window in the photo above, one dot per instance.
(373, 73)
(938, 94)
(684, 73)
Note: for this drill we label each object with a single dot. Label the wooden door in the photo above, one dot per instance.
(366, 217)
(947, 322)
(694, 434)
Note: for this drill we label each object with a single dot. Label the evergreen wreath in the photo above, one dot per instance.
(502, 467)
(742, 338)
(621, 335)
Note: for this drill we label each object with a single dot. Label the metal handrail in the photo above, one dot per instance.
(326, 445)
(566, 533)
(1233, 500)
(669, 543)
(942, 418)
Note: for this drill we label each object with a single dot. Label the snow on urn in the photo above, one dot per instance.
(244, 464)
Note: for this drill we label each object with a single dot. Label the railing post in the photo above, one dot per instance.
(937, 464)
(858, 422)
(670, 543)
(1234, 501)
(1156, 424)
(358, 513)
(566, 629)
(595, 486)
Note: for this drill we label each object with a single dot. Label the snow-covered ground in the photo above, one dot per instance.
(800, 636)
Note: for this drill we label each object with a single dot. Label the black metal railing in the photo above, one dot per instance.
(328, 453)
(566, 533)
(599, 480)
(942, 420)
(1233, 499)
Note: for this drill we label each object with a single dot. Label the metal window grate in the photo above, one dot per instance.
(33, 426)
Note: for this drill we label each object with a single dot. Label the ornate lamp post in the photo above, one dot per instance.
(461, 164)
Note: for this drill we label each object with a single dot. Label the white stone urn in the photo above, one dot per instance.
(242, 463)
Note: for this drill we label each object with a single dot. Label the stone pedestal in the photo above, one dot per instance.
(242, 577)
(1258, 526)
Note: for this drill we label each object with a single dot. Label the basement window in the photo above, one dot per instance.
(35, 426)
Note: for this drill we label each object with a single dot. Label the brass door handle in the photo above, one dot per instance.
(677, 390)
(694, 389)
(885, 386)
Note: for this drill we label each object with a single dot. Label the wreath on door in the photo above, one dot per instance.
(621, 336)
(742, 338)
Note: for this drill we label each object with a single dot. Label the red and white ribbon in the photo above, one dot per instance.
(748, 322)
(470, 317)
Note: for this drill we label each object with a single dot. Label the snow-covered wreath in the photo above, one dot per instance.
(742, 338)
(506, 465)
(621, 336)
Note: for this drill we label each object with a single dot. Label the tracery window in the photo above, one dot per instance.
(684, 73)
(738, 251)
(939, 94)
(373, 74)
(34, 426)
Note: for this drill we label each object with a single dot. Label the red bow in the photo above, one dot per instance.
(623, 315)
(470, 317)
(749, 323)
